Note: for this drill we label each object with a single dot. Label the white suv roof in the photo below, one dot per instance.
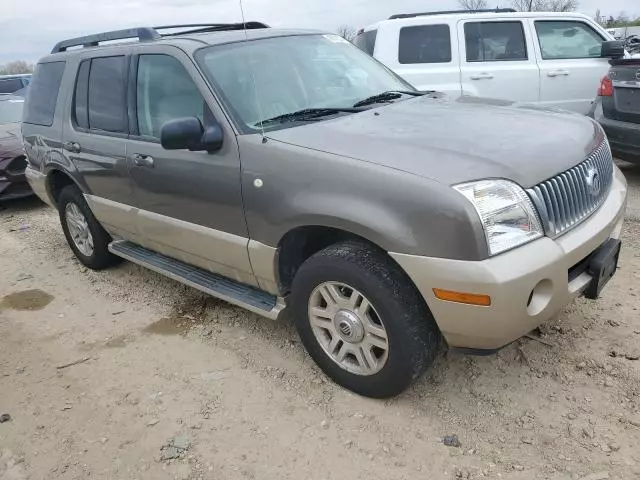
(420, 18)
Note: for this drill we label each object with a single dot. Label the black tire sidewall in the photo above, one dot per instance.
(101, 257)
(394, 300)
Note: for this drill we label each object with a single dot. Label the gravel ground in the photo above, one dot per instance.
(124, 374)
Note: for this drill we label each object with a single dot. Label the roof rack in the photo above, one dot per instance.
(445, 12)
(145, 34)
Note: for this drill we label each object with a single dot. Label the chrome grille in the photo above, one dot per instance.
(568, 198)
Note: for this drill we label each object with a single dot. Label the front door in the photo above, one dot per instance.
(570, 65)
(190, 203)
(497, 60)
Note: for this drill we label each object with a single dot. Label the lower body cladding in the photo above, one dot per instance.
(527, 286)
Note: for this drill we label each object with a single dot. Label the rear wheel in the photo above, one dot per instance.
(362, 320)
(84, 234)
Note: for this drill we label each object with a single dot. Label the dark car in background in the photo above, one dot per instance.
(617, 108)
(9, 84)
(13, 183)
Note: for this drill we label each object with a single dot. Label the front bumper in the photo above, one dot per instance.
(38, 182)
(13, 183)
(527, 285)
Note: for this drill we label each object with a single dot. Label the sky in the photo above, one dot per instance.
(29, 29)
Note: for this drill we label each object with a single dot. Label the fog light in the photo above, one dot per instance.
(540, 297)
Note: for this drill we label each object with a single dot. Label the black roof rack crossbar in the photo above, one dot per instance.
(141, 33)
(144, 34)
(445, 12)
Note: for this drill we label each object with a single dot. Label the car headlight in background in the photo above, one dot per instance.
(508, 216)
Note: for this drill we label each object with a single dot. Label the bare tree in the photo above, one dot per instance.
(472, 4)
(347, 32)
(545, 5)
(17, 66)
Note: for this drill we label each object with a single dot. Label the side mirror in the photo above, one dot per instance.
(612, 49)
(189, 134)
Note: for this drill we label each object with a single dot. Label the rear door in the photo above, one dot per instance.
(568, 52)
(94, 141)
(423, 53)
(497, 60)
(190, 203)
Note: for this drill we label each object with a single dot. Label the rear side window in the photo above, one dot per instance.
(10, 85)
(495, 41)
(106, 96)
(425, 44)
(568, 39)
(366, 41)
(43, 93)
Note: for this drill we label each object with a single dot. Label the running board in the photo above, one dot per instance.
(245, 296)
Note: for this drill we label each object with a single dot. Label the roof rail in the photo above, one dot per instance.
(141, 33)
(144, 34)
(445, 12)
(209, 27)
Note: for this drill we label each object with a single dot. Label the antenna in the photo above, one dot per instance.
(253, 78)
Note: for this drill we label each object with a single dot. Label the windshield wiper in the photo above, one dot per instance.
(387, 97)
(305, 114)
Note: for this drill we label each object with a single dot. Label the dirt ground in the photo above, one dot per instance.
(124, 374)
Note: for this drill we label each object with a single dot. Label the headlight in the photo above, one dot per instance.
(508, 216)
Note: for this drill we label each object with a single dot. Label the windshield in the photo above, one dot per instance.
(293, 73)
(11, 111)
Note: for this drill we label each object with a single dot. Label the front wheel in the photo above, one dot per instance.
(362, 320)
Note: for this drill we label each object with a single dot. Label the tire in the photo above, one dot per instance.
(98, 257)
(412, 336)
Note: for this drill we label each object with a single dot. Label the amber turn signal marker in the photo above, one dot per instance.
(460, 297)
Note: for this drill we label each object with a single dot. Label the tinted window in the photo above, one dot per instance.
(10, 85)
(81, 96)
(165, 91)
(565, 39)
(107, 95)
(366, 41)
(425, 44)
(43, 93)
(495, 41)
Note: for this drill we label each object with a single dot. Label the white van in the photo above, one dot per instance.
(555, 59)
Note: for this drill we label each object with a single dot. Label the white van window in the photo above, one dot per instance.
(366, 41)
(495, 41)
(425, 44)
(568, 39)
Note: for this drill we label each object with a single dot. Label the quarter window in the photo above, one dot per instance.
(10, 85)
(165, 91)
(425, 44)
(495, 41)
(567, 39)
(43, 93)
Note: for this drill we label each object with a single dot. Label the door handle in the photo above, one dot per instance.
(558, 73)
(482, 76)
(141, 160)
(72, 147)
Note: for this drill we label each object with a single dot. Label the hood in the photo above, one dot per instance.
(456, 141)
(10, 140)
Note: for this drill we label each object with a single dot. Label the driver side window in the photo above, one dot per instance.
(165, 91)
(567, 40)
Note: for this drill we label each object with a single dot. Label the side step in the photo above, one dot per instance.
(245, 296)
